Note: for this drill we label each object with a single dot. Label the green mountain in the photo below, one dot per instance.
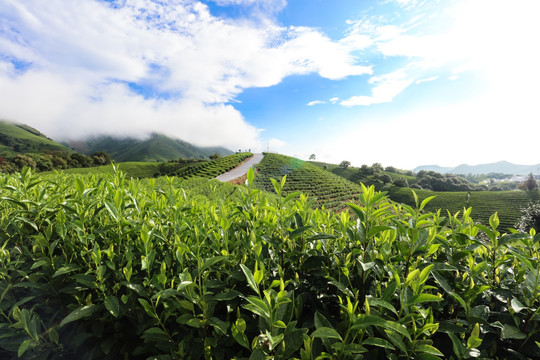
(156, 148)
(20, 139)
(501, 167)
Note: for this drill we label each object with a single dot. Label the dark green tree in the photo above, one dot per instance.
(79, 160)
(101, 158)
(530, 184)
(401, 182)
(345, 164)
(377, 168)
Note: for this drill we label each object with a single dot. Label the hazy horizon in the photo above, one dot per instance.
(403, 83)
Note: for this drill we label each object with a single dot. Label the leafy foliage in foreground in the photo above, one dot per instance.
(106, 268)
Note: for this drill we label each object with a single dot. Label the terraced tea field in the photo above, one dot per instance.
(131, 169)
(330, 187)
(327, 189)
(204, 169)
(484, 203)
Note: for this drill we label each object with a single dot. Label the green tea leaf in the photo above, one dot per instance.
(517, 306)
(458, 347)
(250, 279)
(147, 307)
(212, 261)
(424, 274)
(111, 303)
(428, 349)
(257, 306)
(23, 347)
(79, 313)
(237, 331)
(250, 176)
(494, 221)
(326, 333)
(420, 298)
(511, 332)
(155, 334)
(425, 201)
(375, 341)
(368, 320)
(111, 208)
(382, 304)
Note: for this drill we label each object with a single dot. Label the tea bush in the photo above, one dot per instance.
(101, 267)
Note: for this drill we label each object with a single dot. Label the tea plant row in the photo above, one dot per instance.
(102, 267)
(326, 189)
(204, 169)
(507, 204)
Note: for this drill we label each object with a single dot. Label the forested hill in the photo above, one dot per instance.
(156, 148)
(21, 139)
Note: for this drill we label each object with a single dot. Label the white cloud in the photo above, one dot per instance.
(386, 88)
(268, 7)
(334, 100)
(84, 54)
(489, 38)
(315, 102)
(64, 111)
(428, 79)
(489, 46)
(276, 144)
(480, 130)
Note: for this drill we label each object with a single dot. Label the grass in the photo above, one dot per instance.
(132, 169)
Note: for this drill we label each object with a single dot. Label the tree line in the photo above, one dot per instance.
(55, 159)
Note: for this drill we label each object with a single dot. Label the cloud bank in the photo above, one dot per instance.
(90, 67)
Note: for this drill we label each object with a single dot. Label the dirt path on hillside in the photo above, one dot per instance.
(240, 170)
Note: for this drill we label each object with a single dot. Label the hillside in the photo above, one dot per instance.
(131, 169)
(156, 148)
(20, 139)
(326, 189)
(507, 204)
(366, 175)
(185, 169)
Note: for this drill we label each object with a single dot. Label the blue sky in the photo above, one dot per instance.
(399, 82)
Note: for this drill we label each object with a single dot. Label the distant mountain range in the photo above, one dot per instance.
(21, 139)
(156, 148)
(502, 167)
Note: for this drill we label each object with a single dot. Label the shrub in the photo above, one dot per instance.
(530, 218)
(401, 182)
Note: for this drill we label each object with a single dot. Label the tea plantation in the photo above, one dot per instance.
(326, 189)
(507, 204)
(106, 267)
